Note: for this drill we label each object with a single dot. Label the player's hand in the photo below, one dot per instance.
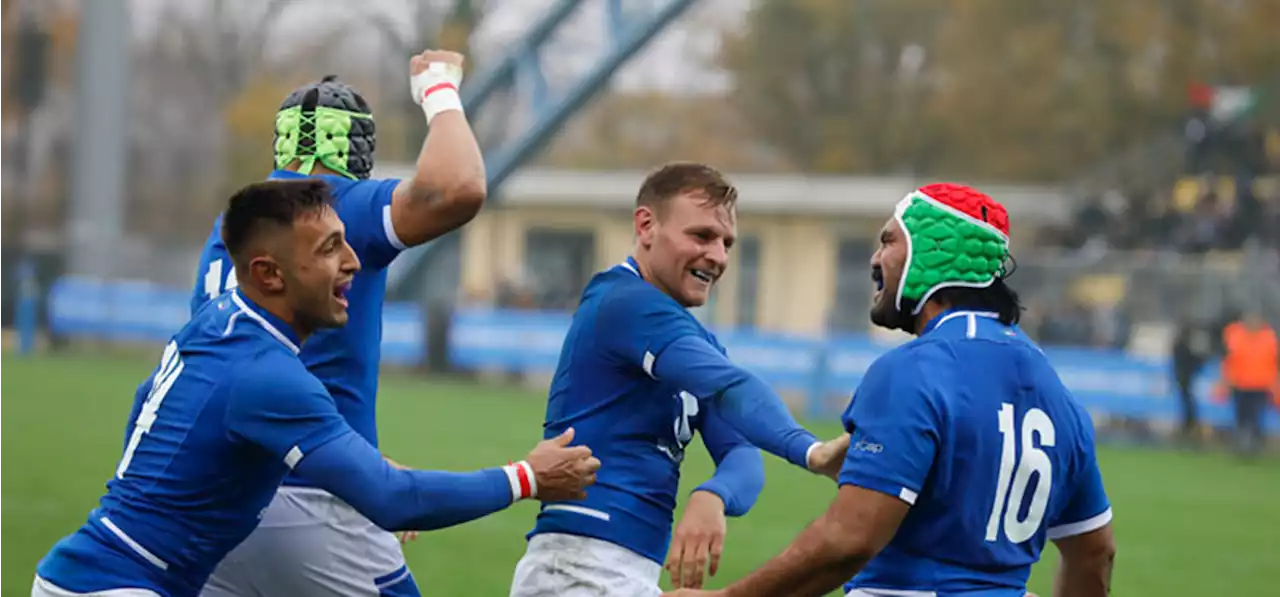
(828, 457)
(697, 541)
(562, 472)
(420, 85)
(404, 536)
(418, 63)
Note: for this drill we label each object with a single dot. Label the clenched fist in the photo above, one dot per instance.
(562, 472)
(418, 63)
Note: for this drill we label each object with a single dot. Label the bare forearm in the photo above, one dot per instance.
(817, 562)
(1081, 579)
(450, 156)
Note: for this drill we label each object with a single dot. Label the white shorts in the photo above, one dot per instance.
(44, 588)
(312, 543)
(559, 565)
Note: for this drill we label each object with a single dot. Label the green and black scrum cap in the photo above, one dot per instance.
(326, 122)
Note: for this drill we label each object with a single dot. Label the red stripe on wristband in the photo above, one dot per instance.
(437, 87)
(526, 487)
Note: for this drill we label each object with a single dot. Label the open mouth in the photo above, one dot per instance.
(340, 292)
(703, 276)
(877, 276)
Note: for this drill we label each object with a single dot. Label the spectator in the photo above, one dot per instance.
(1192, 347)
(1251, 370)
(1091, 222)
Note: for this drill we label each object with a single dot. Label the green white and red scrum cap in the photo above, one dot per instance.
(957, 236)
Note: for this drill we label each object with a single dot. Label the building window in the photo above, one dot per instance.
(559, 263)
(850, 309)
(747, 260)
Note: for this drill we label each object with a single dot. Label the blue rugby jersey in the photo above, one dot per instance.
(970, 424)
(637, 423)
(345, 359)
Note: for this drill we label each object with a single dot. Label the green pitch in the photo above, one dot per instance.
(1187, 524)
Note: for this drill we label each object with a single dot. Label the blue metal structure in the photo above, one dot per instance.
(630, 29)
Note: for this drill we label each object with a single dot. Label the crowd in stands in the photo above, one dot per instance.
(1227, 200)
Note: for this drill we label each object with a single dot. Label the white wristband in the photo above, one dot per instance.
(436, 89)
(523, 484)
(441, 99)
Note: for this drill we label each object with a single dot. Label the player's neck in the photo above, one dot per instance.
(642, 264)
(279, 308)
(931, 310)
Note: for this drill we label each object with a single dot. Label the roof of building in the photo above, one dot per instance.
(779, 194)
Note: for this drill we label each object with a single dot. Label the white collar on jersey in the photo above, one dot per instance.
(254, 315)
(970, 316)
(629, 267)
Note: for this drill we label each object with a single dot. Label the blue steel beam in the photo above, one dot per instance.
(631, 35)
(629, 32)
(476, 95)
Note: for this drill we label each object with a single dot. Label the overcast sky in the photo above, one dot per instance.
(677, 61)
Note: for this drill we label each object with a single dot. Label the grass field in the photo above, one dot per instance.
(1187, 524)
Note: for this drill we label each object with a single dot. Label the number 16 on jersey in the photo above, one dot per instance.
(1034, 460)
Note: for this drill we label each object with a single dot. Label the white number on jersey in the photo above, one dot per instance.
(1034, 461)
(682, 428)
(213, 285)
(170, 368)
(688, 409)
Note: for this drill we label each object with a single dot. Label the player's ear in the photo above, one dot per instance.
(646, 222)
(267, 274)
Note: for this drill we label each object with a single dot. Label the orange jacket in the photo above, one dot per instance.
(1253, 357)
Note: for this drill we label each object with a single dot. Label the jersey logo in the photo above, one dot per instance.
(870, 447)
(682, 430)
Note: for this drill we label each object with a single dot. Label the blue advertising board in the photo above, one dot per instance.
(824, 371)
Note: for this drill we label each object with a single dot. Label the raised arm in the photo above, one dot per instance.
(448, 184)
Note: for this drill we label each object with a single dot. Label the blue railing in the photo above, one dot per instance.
(824, 371)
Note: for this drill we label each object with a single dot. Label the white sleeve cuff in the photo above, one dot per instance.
(1063, 531)
(389, 228)
(808, 453)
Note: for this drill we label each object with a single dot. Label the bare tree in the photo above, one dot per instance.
(184, 80)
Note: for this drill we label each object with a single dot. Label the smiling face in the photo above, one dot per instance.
(684, 245)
